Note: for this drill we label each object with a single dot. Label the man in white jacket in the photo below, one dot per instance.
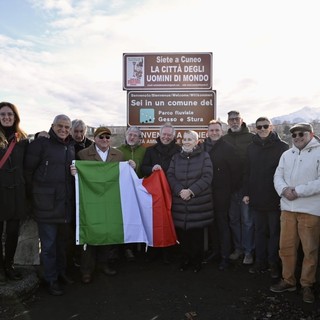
(297, 181)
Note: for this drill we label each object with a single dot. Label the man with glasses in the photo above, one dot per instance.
(297, 181)
(241, 221)
(263, 156)
(100, 150)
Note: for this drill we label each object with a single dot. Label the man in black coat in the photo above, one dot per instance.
(47, 167)
(226, 173)
(157, 157)
(263, 156)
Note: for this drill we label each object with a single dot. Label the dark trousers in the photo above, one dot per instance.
(220, 234)
(11, 241)
(267, 235)
(191, 243)
(92, 255)
(54, 240)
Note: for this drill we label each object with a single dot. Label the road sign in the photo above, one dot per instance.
(167, 71)
(180, 108)
(149, 135)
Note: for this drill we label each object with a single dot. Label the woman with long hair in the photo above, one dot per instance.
(13, 144)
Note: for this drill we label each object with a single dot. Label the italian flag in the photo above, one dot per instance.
(114, 206)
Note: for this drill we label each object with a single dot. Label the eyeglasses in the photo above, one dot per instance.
(9, 114)
(298, 134)
(102, 136)
(265, 126)
(234, 119)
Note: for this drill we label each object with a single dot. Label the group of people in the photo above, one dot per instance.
(255, 197)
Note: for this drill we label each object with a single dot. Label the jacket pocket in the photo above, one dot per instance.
(44, 198)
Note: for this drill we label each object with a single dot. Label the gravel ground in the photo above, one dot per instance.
(154, 291)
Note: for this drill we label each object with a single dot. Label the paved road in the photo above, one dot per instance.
(153, 291)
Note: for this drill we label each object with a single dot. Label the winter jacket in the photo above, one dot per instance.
(300, 169)
(159, 154)
(191, 171)
(12, 182)
(240, 140)
(49, 180)
(91, 153)
(262, 160)
(226, 171)
(135, 153)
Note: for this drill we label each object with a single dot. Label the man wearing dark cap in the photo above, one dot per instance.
(241, 220)
(297, 181)
(100, 150)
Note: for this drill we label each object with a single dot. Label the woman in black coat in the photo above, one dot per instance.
(190, 176)
(12, 186)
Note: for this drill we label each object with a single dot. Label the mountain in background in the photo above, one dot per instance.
(306, 114)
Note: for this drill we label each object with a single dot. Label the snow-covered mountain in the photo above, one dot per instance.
(306, 114)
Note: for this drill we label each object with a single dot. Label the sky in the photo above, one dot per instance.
(65, 56)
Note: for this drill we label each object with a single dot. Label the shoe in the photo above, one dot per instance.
(86, 278)
(274, 271)
(224, 264)
(108, 271)
(236, 254)
(3, 278)
(214, 256)
(55, 289)
(184, 265)
(282, 286)
(248, 259)
(197, 268)
(307, 295)
(65, 279)
(258, 268)
(13, 274)
(129, 255)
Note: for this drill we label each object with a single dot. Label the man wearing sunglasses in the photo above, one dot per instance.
(297, 181)
(100, 150)
(263, 156)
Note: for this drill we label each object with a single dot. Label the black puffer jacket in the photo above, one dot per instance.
(262, 160)
(159, 154)
(48, 175)
(191, 171)
(12, 182)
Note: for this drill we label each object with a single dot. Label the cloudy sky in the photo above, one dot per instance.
(65, 56)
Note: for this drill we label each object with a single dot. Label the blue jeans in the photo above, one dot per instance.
(54, 240)
(241, 224)
(267, 235)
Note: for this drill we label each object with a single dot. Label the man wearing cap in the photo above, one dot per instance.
(297, 181)
(100, 150)
(241, 220)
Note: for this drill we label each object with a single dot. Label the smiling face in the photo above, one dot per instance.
(7, 117)
(103, 141)
(189, 141)
(263, 128)
(62, 128)
(167, 135)
(214, 131)
(301, 138)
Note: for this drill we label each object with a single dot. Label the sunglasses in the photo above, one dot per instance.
(102, 136)
(298, 134)
(265, 126)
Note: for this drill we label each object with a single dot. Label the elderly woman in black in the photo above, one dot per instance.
(13, 144)
(190, 177)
